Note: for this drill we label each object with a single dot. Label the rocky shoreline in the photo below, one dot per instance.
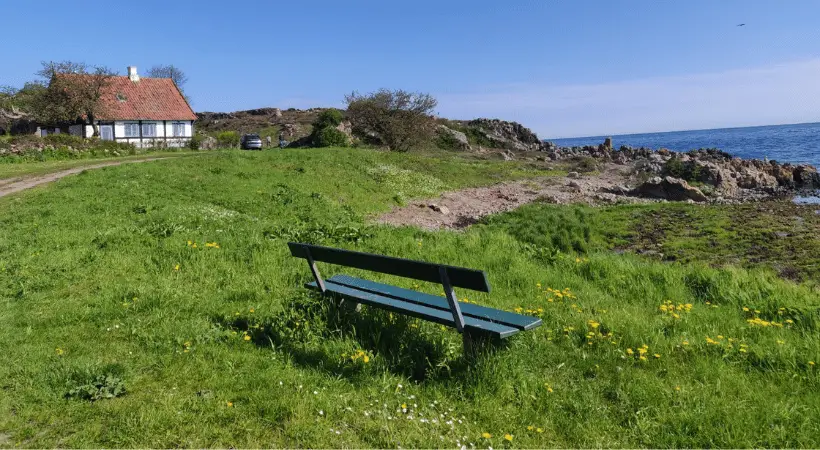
(699, 175)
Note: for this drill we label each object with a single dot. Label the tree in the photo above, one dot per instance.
(171, 72)
(399, 119)
(73, 93)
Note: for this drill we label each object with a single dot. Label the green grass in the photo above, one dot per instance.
(39, 168)
(101, 288)
(779, 236)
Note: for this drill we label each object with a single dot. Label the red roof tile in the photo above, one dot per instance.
(146, 99)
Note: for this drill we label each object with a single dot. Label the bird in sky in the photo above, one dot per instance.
(742, 24)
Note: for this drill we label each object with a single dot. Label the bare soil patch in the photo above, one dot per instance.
(460, 209)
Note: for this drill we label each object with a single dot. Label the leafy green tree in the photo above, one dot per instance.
(399, 119)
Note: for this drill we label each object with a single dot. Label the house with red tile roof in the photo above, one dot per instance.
(145, 112)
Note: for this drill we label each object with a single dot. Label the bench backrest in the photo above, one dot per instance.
(407, 268)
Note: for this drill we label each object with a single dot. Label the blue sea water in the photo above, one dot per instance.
(785, 143)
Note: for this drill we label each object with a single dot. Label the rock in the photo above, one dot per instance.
(347, 128)
(277, 112)
(573, 175)
(208, 143)
(608, 143)
(508, 155)
(458, 136)
(508, 135)
(669, 188)
(439, 208)
(575, 185)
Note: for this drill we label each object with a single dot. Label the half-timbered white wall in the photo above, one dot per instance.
(164, 133)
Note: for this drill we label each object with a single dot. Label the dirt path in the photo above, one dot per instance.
(17, 184)
(460, 209)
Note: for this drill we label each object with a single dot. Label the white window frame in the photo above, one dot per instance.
(149, 130)
(132, 130)
(178, 129)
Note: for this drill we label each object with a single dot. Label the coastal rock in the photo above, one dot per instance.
(669, 188)
(458, 136)
(507, 135)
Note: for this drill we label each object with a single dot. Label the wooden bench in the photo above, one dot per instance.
(476, 323)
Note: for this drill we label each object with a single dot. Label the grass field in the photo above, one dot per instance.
(10, 170)
(156, 305)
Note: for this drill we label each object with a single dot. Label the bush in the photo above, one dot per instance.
(228, 139)
(584, 164)
(329, 136)
(398, 119)
(688, 170)
(330, 117)
(325, 132)
(196, 142)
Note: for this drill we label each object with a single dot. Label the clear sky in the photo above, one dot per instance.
(562, 68)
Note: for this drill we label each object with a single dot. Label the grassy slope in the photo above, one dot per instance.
(10, 170)
(97, 276)
(779, 236)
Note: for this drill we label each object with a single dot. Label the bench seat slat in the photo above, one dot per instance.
(412, 309)
(510, 319)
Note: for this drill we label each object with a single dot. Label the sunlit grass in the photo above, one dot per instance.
(173, 278)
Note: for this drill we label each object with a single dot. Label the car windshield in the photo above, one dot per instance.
(251, 136)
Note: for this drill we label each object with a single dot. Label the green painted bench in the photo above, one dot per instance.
(474, 322)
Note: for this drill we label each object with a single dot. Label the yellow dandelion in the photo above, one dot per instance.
(176, 267)
(247, 338)
(530, 427)
(508, 437)
(657, 355)
(366, 359)
(811, 363)
(230, 404)
(404, 406)
(486, 435)
(252, 310)
(539, 430)
(61, 351)
(629, 352)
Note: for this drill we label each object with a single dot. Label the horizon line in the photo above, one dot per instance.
(679, 131)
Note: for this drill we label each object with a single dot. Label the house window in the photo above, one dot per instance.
(149, 130)
(179, 129)
(132, 130)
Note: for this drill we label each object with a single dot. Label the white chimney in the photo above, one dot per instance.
(132, 73)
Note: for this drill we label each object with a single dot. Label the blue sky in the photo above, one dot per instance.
(562, 68)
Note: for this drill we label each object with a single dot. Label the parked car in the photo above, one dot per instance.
(250, 142)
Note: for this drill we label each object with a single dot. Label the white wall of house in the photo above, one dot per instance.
(163, 133)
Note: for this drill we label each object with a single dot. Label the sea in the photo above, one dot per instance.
(798, 143)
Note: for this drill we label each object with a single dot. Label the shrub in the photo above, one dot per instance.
(330, 117)
(329, 136)
(688, 170)
(196, 142)
(398, 119)
(584, 164)
(229, 139)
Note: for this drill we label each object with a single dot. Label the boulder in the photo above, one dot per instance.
(347, 128)
(573, 175)
(458, 136)
(669, 188)
(208, 143)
